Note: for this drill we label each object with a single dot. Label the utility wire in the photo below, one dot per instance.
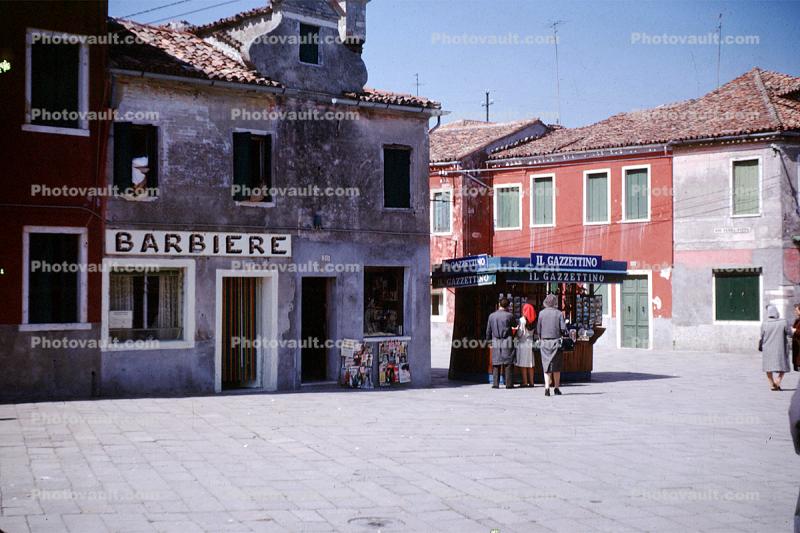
(155, 8)
(194, 11)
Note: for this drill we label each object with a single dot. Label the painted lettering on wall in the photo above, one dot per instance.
(197, 243)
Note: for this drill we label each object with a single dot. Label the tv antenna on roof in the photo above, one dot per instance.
(555, 26)
(719, 46)
(487, 104)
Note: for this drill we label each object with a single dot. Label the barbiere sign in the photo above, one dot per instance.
(196, 243)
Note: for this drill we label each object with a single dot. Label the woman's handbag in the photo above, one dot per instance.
(567, 344)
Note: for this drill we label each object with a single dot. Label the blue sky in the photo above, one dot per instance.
(602, 71)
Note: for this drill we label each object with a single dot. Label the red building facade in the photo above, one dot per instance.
(54, 87)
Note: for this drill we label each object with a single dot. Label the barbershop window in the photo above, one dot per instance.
(53, 278)
(309, 44)
(135, 159)
(252, 167)
(383, 301)
(396, 177)
(146, 305)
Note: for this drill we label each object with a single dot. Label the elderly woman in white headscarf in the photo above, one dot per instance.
(550, 327)
(774, 346)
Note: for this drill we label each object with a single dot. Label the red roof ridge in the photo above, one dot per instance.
(232, 19)
(762, 90)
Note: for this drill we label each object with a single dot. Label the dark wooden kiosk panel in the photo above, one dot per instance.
(480, 281)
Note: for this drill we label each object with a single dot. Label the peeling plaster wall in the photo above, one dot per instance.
(196, 167)
(707, 238)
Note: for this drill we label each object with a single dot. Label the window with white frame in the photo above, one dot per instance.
(636, 193)
(543, 200)
(438, 305)
(145, 305)
(54, 284)
(507, 207)
(441, 211)
(596, 197)
(148, 303)
(745, 187)
(56, 82)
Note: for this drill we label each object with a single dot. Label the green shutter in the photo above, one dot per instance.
(241, 163)
(737, 297)
(397, 177)
(507, 207)
(123, 157)
(441, 212)
(597, 197)
(637, 194)
(309, 44)
(745, 188)
(542, 201)
(152, 156)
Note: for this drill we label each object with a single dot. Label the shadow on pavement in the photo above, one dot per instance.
(609, 377)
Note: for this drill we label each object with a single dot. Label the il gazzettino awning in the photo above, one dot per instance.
(478, 270)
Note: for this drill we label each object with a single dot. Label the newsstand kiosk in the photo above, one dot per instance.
(480, 281)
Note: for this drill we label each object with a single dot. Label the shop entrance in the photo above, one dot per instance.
(635, 303)
(241, 331)
(314, 329)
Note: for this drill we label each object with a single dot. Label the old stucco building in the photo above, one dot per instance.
(275, 199)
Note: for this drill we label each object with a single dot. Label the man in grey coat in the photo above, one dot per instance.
(794, 427)
(498, 330)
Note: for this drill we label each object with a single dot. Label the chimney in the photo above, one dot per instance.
(353, 23)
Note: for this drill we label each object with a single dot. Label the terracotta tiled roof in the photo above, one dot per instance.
(385, 97)
(459, 139)
(757, 101)
(163, 50)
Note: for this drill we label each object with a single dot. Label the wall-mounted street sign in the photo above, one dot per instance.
(196, 243)
(566, 261)
(471, 263)
(472, 280)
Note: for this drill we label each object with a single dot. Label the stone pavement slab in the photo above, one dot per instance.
(658, 441)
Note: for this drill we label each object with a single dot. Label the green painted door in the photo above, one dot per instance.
(635, 318)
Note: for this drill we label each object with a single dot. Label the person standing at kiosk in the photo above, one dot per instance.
(550, 327)
(498, 330)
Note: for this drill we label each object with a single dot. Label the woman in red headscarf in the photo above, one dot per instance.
(525, 339)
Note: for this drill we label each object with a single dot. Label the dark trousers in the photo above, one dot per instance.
(509, 375)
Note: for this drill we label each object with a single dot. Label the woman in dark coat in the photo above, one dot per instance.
(796, 339)
(774, 346)
(550, 326)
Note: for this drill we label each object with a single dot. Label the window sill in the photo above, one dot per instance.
(603, 223)
(516, 228)
(441, 233)
(634, 220)
(56, 327)
(162, 345)
(36, 128)
(754, 215)
(737, 323)
(134, 198)
(381, 338)
(542, 225)
(399, 209)
(254, 204)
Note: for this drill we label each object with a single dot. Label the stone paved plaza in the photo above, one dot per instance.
(657, 442)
